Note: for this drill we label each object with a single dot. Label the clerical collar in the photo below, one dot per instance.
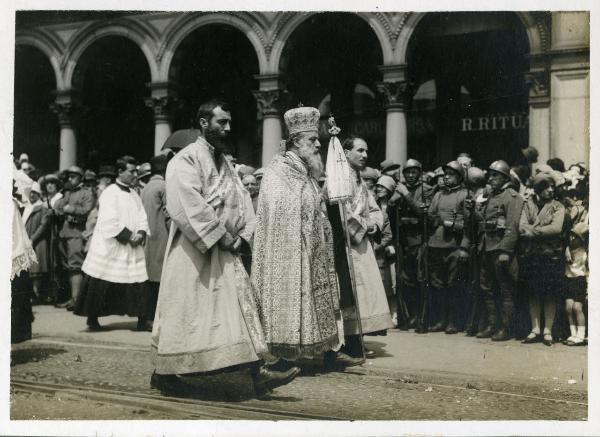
(122, 186)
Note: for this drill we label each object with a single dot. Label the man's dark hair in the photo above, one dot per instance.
(158, 164)
(122, 162)
(556, 164)
(206, 109)
(348, 143)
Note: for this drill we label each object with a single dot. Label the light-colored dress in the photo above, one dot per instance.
(107, 258)
(206, 318)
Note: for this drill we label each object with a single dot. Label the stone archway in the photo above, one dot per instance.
(331, 61)
(475, 65)
(35, 129)
(181, 28)
(537, 34)
(200, 71)
(110, 82)
(94, 32)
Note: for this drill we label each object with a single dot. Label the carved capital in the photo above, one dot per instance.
(65, 112)
(538, 81)
(396, 95)
(161, 107)
(268, 102)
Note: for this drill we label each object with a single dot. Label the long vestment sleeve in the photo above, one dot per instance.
(142, 222)
(187, 207)
(250, 217)
(358, 225)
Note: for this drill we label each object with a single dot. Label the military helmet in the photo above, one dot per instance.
(500, 167)
(75, 169)
(412, 163)
(457, 167)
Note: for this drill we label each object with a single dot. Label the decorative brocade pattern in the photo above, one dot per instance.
(292, 272)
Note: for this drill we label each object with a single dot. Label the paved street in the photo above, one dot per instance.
(66, 372)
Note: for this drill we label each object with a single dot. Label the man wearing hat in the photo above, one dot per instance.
(90, 180)
(74, 208)
(107, 175)
(498, 223)
(144, 171)
(412, 199)
(292, 269)
(206, 318)
(155, 204)
(448, 247)
(390, 168)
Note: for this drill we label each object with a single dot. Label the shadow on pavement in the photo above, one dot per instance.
(23, 356)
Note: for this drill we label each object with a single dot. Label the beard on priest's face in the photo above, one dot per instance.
(218, 139)
(308, 149)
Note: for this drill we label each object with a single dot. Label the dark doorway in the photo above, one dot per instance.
(112, 76)
(218, 61)
(36, 129)
(331, 62)
(471, 96)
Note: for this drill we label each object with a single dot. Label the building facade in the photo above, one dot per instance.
(90, 85)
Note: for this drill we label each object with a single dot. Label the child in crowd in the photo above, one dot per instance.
(576, 283)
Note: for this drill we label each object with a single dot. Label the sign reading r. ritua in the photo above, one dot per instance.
(491, 122)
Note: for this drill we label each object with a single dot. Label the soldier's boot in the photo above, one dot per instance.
(451, 310)
(472, 317)
(422, 315)
(490, 328)
(503, 333)
(439, 304)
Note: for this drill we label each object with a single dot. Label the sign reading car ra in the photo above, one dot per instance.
(492, 122)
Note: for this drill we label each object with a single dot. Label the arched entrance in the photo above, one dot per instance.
(36, 131)
(218, 61)
(111, 77)
(470, 92)
(330, 62)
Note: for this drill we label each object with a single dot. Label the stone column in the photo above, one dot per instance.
(538, 80)
(570, 86)
(64, 107)
(396, 95)
(161, 103)
(268, 100)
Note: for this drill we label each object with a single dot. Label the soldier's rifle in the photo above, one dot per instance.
(402, 310)
(472, 272)
(423, 322)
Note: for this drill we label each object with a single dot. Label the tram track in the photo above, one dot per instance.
(181, 407)
(409, 382)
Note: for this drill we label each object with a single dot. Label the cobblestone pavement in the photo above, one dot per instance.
(358, 393)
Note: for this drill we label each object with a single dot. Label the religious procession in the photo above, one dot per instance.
(235, 267)
(301, 215)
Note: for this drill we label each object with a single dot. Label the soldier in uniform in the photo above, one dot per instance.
(412, 200)
(498, 221)
(74, 208)
(448, 247)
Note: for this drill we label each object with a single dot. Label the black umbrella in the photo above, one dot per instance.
(181, 138)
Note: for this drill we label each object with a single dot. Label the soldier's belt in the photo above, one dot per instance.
(489, 226)
(409, 221)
